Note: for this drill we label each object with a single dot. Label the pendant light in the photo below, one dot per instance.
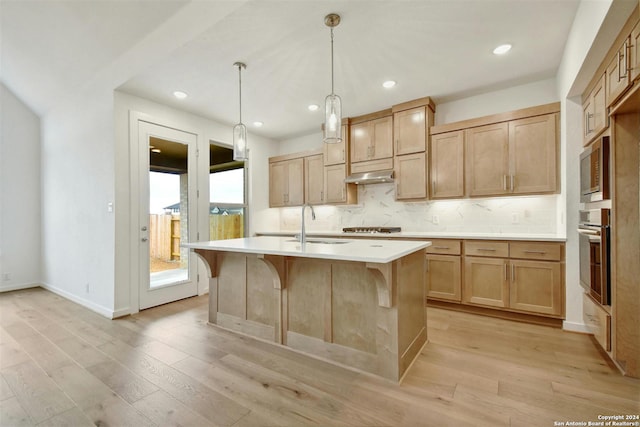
(332, 103)
(240, 130)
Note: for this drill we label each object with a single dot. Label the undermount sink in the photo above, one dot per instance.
(321, 242)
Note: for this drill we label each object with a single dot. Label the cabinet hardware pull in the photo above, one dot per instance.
(505, 272)
(486, 249)
(622, 60)
(587, 121)
(535, 252)
(511, 180)
(322, 196)
(441, 247)
(504, 182)
(433, 187)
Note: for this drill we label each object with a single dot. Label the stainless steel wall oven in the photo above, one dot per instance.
(595, 240)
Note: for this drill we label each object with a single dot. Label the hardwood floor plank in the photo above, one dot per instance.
(163, 352)
(128, 385)
(39, 396)
(208, 403)
(164, 410)
(71, 418)
(167, 366)
(96, 400)
(13, 414)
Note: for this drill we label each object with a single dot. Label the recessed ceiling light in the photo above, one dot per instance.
(179, 94)
(502, 49)
(156, 150)
(388, 84)
(313, 107)
(258, 124)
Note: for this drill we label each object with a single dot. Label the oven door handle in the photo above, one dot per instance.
(588, 232)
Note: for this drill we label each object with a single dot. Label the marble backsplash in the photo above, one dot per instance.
(377, 207)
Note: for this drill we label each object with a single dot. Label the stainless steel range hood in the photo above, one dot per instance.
(375, 177)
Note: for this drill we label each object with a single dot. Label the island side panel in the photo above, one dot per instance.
(353, 300)
(308, 282)
(412, 315)
(245, 297)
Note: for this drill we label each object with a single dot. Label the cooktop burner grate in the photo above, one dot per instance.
(371, 230)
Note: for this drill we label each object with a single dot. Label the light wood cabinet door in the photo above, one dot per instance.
(618, 74)
(634, 53)
(277, 184)
(286, 183)
(382, 141)
(295, 179)
(410, 131)
(533, 152)
(335, 154)
(411, 176)
(536, 287)
(443, 277)
(314, 179)
(486, 282)
(335, 188)
(595, 117)
(447, 165)
(487, 159)
(372, 140)
(360, 142)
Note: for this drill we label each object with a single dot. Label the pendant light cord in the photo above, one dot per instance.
(240, 89)
(332, 93)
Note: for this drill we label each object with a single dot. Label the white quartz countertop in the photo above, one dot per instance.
(362, 250)
(425, 235)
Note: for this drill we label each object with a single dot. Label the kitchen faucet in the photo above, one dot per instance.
(303, 237)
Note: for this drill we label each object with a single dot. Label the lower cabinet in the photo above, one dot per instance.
(443, 277)
(518, 276)
(485, 282)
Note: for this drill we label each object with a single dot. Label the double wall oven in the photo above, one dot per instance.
(595, 221)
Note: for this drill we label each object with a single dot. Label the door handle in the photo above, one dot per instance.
(144, 228)
(144, 239)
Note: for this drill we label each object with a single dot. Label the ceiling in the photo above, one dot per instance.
(437, 48)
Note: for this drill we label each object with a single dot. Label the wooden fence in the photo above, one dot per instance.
(164, 233)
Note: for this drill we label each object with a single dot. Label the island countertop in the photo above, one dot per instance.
(360, 250)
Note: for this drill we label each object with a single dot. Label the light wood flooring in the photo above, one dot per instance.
(62, 364)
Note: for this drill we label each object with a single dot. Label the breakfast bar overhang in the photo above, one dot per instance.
(356, 302)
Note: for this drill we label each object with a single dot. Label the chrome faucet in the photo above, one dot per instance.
(303, 236)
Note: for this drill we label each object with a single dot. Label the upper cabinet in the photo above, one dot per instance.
(286, 179)
(505, 154)
(533, 155)
(372, 139)
(446, 165)
(314, 179)
(618, 72)
(335, 154)
(409, 131)
(487, 157)
(594, 107)
(634, 53)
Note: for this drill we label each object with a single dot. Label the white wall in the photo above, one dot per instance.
(77, 184)
(260, 216)
(19, 194)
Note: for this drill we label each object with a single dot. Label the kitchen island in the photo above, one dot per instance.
(356, 302)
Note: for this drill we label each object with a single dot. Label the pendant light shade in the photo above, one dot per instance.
(333, 104)
(240, 130)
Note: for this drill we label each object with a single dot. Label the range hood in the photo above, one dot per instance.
(374, 177)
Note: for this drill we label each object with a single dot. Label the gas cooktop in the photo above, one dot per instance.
(371, 230)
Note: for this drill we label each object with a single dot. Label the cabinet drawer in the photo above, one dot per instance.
(598, 321)
(487, 249)
(444, 246)
(534, 250)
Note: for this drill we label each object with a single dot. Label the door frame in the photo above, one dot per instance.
(135, 118)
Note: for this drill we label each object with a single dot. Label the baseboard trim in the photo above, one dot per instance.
(103, 311)
(9, 288)
(575, 327)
